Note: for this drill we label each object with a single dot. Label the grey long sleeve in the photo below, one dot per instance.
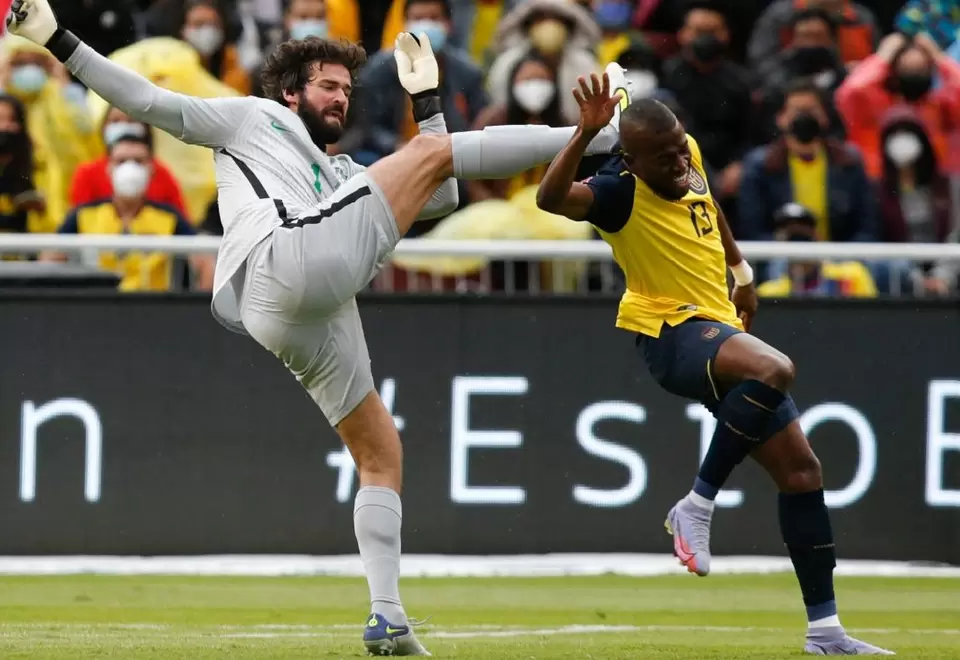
(447, 197)
(207, 122)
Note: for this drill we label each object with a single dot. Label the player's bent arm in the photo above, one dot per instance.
(575, 205)
(558, 192)
(207, 122)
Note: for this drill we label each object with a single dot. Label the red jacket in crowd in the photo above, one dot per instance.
(91, 182)
(864, 99)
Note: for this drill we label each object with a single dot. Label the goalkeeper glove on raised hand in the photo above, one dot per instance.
(419, 74)
(33, 20)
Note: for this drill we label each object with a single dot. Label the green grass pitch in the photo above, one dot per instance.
(676, 617)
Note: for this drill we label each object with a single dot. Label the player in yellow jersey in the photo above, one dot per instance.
(673, 244)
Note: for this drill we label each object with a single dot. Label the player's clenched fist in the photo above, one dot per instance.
(596, 105)
(416, 64)
(32, 19)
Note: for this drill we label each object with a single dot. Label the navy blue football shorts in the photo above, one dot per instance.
(681, 361)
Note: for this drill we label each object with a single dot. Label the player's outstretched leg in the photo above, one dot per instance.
(755, 378)
(409, 177)
(806, 531)
(371, 436)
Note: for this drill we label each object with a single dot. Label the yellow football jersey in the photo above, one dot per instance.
(670, 251)
(139, 271)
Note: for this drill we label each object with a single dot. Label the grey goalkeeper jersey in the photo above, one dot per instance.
(268, 169)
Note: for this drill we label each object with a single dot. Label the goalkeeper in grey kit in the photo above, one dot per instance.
(304, 232)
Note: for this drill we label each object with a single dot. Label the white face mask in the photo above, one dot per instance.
(904, 148)
(534, 95)
(129, 179)
(435, 30)
(642, 83)
(28, 78)
(206, 39)
(118, 129)
(308, 28)
(825, 79)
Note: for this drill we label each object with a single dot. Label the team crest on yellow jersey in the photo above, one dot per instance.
(697, 185)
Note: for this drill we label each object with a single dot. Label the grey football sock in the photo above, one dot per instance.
(501, 152)
(376, 521)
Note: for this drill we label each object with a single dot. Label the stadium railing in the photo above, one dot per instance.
(561, 266)
(493, 249)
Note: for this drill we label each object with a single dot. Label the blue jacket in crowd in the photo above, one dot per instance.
(766, 187)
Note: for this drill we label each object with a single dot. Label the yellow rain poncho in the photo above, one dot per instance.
(61, 130)
(516, 219)
(174, 65)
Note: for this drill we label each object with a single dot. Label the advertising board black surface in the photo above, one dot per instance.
(140, 426)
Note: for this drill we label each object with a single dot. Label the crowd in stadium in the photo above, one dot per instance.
(819, 120)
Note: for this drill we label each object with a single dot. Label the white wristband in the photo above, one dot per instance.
(742, 273)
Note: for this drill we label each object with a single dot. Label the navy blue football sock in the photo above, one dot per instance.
(742, 418)
(806, 531)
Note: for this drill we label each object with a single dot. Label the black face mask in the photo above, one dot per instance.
(707, 48)
(806, 128)
(809, 60)
(914, 85)
(800, 238)
(8, 139)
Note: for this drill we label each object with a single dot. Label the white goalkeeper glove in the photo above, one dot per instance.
(33, 20)
(416, 64)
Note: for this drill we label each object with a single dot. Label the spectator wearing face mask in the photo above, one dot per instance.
(820, 173)
(204, 27)
(91, 182)
(561, 33)
(715, 92)
(901, 72)
(938, 18)
(59, 123)
(534, 99)
(918, 200)
(813, 278)
(386, 115)
(305, 18)
(813, 54)
(301, 19)
(21, 205)
(858, 33)
(128, 211)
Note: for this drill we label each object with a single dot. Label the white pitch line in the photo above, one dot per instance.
(278, 631)
(550, 565)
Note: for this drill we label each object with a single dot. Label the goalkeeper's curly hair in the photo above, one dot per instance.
(288, 67)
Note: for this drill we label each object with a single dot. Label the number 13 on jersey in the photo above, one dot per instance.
(700, 217)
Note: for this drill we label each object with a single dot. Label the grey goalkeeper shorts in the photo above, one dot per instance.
(299, 292)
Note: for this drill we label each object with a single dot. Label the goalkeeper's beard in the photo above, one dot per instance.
(322, 130)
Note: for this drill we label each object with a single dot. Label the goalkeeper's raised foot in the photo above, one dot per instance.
(33, 20)
(618, 87)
